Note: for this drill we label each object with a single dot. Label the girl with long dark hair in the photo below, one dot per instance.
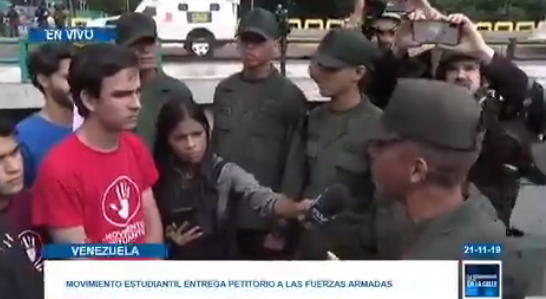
(198, 192)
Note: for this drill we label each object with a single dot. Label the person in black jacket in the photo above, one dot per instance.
(513, 107)
(513, 103)
(18, 277)
(199, 193)
(20, 261)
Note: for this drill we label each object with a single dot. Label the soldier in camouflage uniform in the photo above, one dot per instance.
(335, 135)
(256, 112)
(427, 140)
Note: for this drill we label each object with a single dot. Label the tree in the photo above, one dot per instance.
(112, 6)
(478, 10)
(495, 10)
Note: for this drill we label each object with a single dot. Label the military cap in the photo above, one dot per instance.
(134, 26)
(432, 112)
(345, 47)
(260, 21)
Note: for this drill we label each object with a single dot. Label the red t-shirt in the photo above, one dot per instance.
(17, 215)
(78, 186)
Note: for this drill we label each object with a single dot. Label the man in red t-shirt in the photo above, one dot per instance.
(95, 185)
(14, 201)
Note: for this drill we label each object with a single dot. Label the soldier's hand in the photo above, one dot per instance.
(182, 235)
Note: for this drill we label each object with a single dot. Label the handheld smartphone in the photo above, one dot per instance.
(436, 32)
(190, 215)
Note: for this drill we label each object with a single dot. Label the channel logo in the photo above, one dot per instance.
(482, 279)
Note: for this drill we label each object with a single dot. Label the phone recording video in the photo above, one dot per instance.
(436, 32)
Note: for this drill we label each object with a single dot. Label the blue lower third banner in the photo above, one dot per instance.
(482, 279)
(90, 251)
(72, 35)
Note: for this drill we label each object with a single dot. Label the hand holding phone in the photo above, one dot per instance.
(438, 32)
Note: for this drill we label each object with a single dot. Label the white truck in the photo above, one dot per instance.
(200, 25)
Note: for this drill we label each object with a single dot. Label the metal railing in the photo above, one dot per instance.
(521, 50)
(20, 59)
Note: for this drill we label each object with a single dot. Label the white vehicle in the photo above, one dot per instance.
(203, 25)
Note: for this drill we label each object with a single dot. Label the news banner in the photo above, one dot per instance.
(91, 271)
(75, 35)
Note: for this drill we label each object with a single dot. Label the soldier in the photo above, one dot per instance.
(256, 112)
(139, 32)
(336, 133)
(427, 140)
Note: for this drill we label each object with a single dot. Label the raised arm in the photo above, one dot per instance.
(260, 198)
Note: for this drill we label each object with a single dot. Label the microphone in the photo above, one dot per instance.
(334, 200)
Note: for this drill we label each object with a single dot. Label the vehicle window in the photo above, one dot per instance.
(183, 7)
(214, 7)
(150, 11)
(111, 23)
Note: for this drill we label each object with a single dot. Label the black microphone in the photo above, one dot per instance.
(334, 200)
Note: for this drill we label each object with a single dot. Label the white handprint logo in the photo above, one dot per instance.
(29, 244)
(121, 201)
(32, 244)
(122, 206)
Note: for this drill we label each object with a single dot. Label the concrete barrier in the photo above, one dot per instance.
(201, 78)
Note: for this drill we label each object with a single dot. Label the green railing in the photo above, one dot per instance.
(21, 50)
(20, 58)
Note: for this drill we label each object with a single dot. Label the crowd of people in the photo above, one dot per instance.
(429, 143)
(13, 20)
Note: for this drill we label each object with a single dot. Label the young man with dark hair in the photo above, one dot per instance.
(14, 200)
(18, 277)
(48, 69)
(95, 185)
